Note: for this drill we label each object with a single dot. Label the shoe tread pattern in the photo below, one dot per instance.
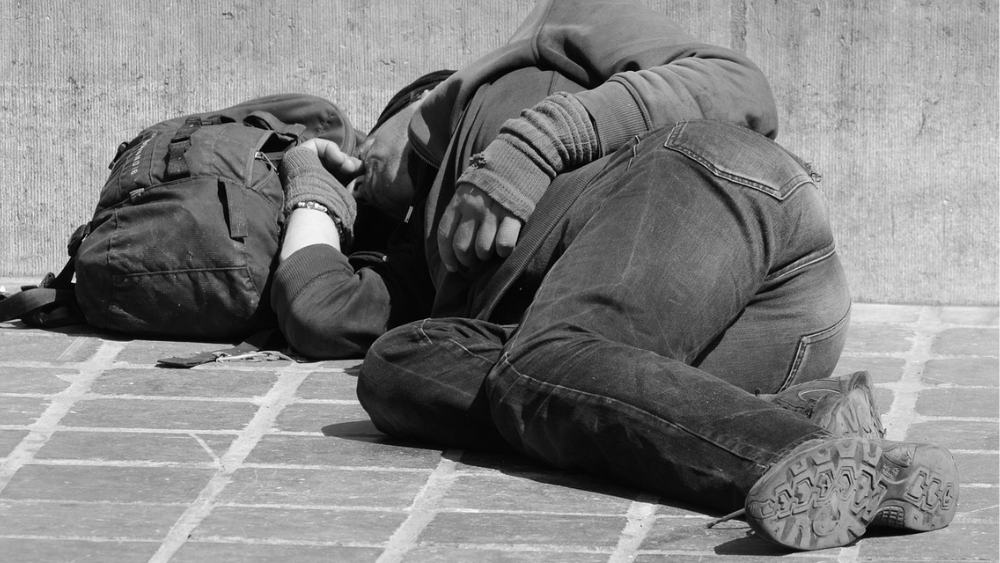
(829, 494)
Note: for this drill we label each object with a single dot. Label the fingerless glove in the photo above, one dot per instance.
(554, 136)
(305, 179)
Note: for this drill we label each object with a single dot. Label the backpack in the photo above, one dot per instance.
(185, 235)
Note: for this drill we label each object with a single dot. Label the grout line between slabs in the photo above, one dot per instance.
(849, 554)
(40, 431)
(903, 410)
(72, 349)
(640, 518)
(423, 509)
(280, 395)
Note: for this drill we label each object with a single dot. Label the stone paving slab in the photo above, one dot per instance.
(105, 457)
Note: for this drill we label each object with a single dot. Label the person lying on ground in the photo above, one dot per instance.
(679, 327)
(588, 76)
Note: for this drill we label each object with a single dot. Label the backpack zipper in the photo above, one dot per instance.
(262, 156)
(271, 170)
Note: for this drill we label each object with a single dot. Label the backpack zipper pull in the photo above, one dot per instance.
(261, 156)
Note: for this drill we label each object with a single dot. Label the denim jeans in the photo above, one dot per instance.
(697, 269)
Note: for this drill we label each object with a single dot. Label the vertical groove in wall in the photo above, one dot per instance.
(738, 26)
(895, 101)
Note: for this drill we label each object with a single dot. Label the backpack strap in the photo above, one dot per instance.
(42, 307)
(52, 303)
(266, 345)
(266, 120)
(236, 205)
(177, 166)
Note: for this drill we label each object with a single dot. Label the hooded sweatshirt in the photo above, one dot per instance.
(630, 69)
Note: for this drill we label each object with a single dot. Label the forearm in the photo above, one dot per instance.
(719, 89)
(328, 307)
(329, 212)
(644, 72)
(554, 136)
(325, 308)
(657, 81)
(306, 227)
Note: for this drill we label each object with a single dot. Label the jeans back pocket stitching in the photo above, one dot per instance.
(799, 180)
(808, 339)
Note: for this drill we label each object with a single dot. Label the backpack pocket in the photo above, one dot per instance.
(191, 256)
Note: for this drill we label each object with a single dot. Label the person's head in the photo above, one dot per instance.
(386, 151)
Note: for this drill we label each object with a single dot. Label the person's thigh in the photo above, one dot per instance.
(793, 331)
(682, 234)
(423, 381)
(663, 253)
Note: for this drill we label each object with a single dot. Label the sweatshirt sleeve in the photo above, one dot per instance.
(327, 310)
(554, 136)
(645, 72)
(640, 72)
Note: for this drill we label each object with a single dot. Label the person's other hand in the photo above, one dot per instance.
(343, 166)
(475, 227)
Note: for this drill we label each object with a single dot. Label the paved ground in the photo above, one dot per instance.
(104, 457)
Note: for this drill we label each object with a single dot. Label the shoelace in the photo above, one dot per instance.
(726, 518)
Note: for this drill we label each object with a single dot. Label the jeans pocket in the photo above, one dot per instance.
(740, 156)
(817, 353)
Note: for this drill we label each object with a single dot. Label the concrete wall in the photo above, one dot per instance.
(893, 101)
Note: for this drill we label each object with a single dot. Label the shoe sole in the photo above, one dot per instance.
(855, 413)
(827, 494)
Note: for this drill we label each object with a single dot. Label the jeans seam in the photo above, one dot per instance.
(420, 329)
(430, 341)
(469, 352)
(505, 360)
(795, 182)
(740, 180)
(805, 262)
(804, 343)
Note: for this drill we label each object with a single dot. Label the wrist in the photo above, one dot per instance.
(509, 176)
(306, 180)
(343, 233)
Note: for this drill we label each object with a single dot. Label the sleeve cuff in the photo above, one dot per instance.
(510, 177)
(616, 114)
(300, 269)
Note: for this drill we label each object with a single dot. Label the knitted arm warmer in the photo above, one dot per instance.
(554, 136)
(305, 179)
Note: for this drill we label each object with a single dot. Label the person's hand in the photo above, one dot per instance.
(475, 227)
(316, 171)
(343, 166)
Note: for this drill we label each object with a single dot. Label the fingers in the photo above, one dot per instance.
(336, 161)
(507, 235)
(459, 230)
(445, 233)
(475, 228)
(456, 234)
(486, 237)
(462, 242)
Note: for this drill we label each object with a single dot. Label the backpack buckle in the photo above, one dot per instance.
(76, 239)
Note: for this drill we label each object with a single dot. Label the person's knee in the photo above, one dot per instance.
(424, 380)
(406, 364)
(381, 377)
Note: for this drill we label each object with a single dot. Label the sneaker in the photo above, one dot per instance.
(827, 492)
(844, 406)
